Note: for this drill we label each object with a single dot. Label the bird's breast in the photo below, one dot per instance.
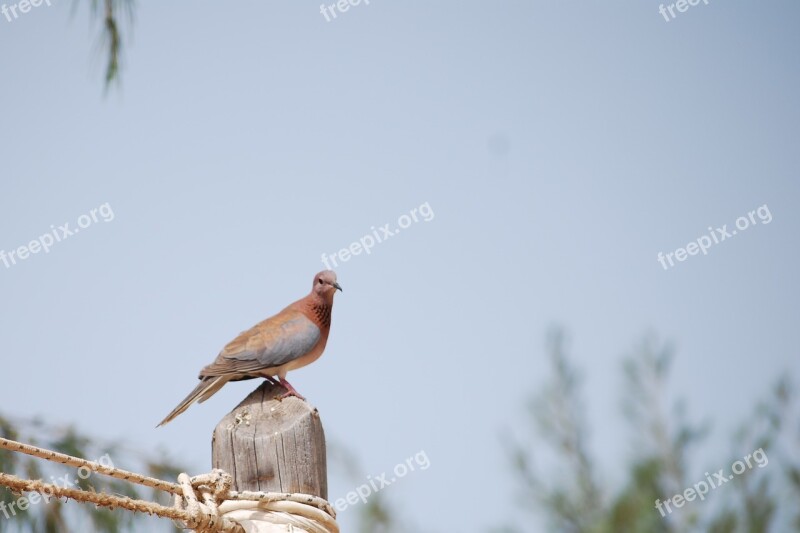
(310, 357)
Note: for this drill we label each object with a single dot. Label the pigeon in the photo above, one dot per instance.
(291, 339)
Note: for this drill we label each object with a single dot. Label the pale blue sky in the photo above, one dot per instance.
(561, 145)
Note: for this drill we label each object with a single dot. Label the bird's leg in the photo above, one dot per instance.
(290, 391)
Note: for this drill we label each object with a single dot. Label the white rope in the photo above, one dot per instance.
(278, 517)
(77, 462)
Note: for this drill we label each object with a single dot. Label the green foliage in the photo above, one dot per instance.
(664, 440)
(112, 36)
(115, 14)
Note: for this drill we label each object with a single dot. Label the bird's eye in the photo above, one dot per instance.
(320, 281)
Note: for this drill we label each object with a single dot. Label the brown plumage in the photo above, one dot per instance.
(293, 338)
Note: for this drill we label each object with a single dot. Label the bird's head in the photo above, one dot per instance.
(325, 284)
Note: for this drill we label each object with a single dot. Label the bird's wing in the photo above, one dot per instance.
(269, 344)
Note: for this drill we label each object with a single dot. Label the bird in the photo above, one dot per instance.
(293, 338)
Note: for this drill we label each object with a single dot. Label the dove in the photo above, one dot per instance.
(292, 339)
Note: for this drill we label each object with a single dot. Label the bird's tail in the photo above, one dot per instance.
(204, 390)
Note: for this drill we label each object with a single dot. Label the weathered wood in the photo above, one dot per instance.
(272, 445)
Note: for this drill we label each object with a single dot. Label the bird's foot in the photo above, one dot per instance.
(290, 391)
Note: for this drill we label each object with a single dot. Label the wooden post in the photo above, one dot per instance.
(272, 445)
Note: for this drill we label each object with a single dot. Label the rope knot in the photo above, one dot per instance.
(212, 489)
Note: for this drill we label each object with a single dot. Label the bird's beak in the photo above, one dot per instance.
(337, 286)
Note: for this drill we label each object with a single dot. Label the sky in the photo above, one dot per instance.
(554, 149)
